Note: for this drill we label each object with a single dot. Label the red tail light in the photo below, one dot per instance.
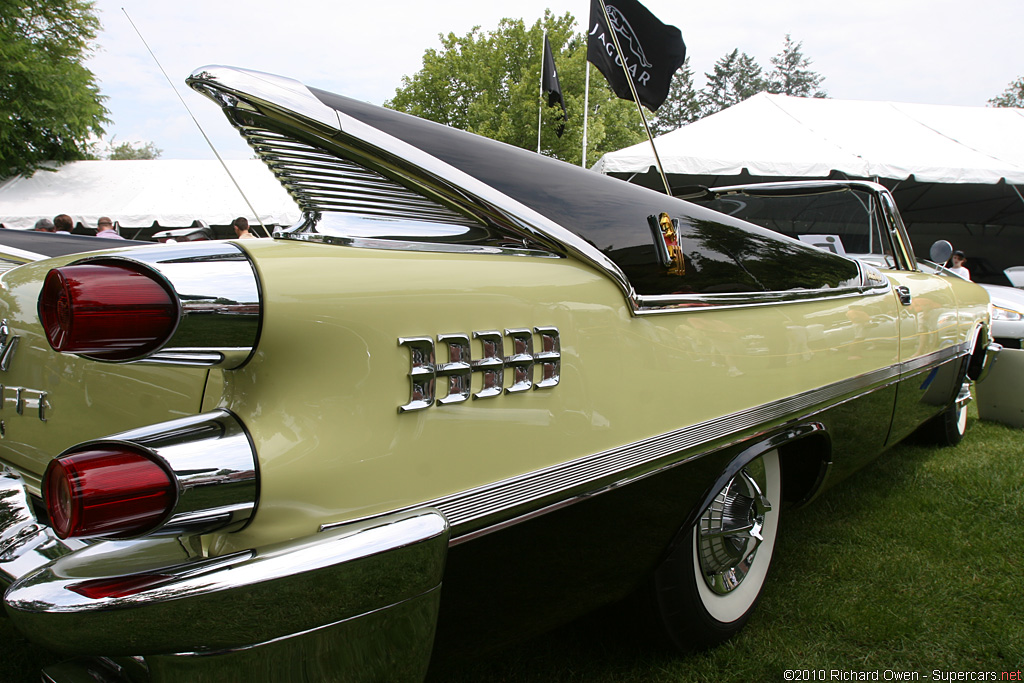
(111, 311)
(107, 492)
(117, 587)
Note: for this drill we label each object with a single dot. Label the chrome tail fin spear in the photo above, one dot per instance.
(209, 142)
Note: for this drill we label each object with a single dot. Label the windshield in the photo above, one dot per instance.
(845, 221)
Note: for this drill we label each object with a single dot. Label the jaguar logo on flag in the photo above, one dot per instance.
(651, 51)
(626, 33)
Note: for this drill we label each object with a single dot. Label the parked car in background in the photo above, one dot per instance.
(1007, 308)
(851, 218)
(474, 393)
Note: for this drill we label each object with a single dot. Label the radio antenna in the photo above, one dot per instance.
(196, 121)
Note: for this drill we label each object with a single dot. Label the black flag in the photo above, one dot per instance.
(549, 85)
(653, 50)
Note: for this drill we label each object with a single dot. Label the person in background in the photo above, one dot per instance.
(43, 225)
(958, 260)
(241, 226)
(105, 229)
(63, 223)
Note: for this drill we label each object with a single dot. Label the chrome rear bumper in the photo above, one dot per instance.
(355, 603)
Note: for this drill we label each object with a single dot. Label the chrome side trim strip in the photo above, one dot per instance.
(405, 245)
(219, 294)
(492, 504)
(655, 305)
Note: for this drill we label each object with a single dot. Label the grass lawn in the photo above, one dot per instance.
(915, 564)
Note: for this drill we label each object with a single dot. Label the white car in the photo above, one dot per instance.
(1007, 309)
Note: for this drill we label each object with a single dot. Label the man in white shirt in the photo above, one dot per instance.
(958, 265)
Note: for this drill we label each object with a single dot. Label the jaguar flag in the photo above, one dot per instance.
(652, 51)
(549, 85)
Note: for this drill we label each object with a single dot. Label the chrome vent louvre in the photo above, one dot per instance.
(321, 181)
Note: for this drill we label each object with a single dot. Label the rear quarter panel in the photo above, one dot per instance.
(322, 392)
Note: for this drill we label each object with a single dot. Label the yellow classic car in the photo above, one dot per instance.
(474, 392)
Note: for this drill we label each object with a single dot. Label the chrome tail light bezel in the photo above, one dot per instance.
(219, 299)
(214, 468)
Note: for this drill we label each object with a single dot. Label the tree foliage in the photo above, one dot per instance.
(129, 151)
(489, 83)
(682, 106)
(1013, 96)
(790, 74)
(50, 104)
(735, 77)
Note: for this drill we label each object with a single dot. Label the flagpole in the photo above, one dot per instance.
(540, 95)
(586, 115)
(636, 98)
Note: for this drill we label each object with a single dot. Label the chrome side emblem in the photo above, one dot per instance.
(25, 400)
(424, 371)
(8, 344)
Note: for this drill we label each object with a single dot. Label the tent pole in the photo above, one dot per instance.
(1018, 192)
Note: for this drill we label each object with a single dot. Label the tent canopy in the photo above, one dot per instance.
(171, 193)
(778, 135)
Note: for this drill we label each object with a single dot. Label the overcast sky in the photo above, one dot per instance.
(958, 52)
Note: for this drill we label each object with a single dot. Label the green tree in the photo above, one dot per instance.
(50, 104)
(790, 74)
(736, 77)
(489, 83)
(1013, 96)
(682, 106)
(128, 151)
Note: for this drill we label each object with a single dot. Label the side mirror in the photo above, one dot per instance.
(941, 251)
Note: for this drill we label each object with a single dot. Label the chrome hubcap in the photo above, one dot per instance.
(730, 530)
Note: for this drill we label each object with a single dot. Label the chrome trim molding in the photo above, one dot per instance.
(364, 242)
(219, 293)
(213, 462)
(554, 487)
(931, 360)
(654, 305)
(362, 569)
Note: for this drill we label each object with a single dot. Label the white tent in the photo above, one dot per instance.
(171, 193)
(777, 135)
(957, 173)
